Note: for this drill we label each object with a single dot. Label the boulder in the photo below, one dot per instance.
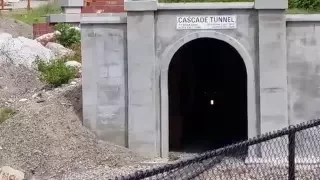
(4, 37)
(49, 37)
(24, 51)
(59, 50)
(76, 28)
(74, 64)
(8, 173)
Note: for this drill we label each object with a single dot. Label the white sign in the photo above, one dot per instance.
(207, 22)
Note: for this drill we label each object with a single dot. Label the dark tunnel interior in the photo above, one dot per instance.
(207, 96)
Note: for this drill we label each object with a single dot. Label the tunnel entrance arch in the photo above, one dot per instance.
(169, 57)
(207, 88)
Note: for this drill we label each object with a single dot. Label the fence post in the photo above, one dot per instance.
(291, 147)
(29, 5)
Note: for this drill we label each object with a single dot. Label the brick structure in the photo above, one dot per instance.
(43, 28)
(103, 6)
(90, 6)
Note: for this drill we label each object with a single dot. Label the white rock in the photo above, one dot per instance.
(12, 173)
(24, 51)
(76, 28)
(59, 50)
(1, 148)
(73, 83)
(4, 37)
(37, 95)
(74, 64)
(23, 100)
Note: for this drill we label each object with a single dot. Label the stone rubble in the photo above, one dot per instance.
(8, 173)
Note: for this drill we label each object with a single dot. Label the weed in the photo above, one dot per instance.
(6, 113)
(56, 72)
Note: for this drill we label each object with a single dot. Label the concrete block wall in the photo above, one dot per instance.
(104, 77)
(303, 49)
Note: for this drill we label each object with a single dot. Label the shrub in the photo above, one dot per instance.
(6, 113)
(56, 72)
(69, 36)
(310, 5)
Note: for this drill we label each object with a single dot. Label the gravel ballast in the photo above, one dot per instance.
(47, 137)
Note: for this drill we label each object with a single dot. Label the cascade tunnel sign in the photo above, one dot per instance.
(207, 22)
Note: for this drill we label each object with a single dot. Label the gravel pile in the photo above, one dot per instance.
(14, 27)
(15, 82)
(46, 135)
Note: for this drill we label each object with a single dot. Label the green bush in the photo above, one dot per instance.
(56, 72)
(309, 5)
(6, 113)
(69, 36)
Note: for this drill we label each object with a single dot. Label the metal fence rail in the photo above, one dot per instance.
(292, 153)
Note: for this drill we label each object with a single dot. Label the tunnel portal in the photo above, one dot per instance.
(207, 83)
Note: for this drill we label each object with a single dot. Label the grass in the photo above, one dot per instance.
(289, 11)
(6, 113)
(197, 1)
(301, 11)
(37, 15)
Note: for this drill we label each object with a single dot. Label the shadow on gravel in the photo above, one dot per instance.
(75, 98)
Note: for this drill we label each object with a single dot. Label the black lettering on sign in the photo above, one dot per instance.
(192, 19)
(206, 19)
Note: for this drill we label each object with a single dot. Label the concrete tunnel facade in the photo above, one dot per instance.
(126, 60)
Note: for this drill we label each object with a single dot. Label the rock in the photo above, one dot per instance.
(74, 64)
(1, 148)
(73, 83)
(59, 50)
(40, 100)
(8, 173)
(76, 28)
(10, 101)
(23, 100)
(39, 94)
(50, 37)
(4, 37)
(24, 51)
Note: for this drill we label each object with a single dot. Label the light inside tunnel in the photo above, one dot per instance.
(211, 102)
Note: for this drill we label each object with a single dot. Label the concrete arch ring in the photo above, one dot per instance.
(165, 60)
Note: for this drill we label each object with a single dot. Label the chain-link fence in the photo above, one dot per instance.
(289, 154)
